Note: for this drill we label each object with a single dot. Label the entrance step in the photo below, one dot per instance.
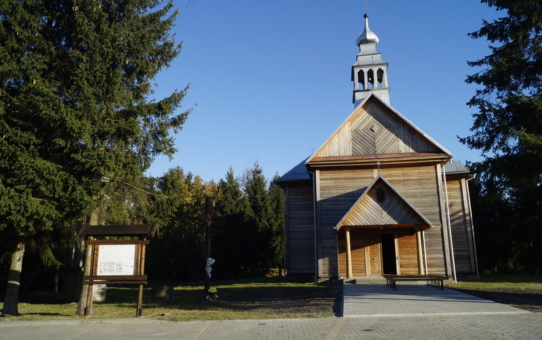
(366, 280)
(370, 280)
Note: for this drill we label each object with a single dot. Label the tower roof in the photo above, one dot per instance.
(367, 36)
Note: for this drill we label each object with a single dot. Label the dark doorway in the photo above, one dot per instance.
(388, 253)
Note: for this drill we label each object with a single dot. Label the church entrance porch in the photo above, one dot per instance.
(377, 251)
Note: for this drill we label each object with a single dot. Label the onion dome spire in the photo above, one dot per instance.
(367, 36)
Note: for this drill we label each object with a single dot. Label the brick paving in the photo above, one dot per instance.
(411, 299)
(410, 313)
(483, 326)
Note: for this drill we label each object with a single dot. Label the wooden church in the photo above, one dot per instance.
(379, 196)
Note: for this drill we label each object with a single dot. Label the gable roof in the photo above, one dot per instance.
(375, 128)
(392, 209)
(456, 167)
(297, 173)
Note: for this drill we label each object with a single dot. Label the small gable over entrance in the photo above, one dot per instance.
(382, 205)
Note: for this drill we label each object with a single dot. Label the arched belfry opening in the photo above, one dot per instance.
(370, 79)
(361, 80)
(380, 77)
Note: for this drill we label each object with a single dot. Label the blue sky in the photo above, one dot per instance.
(270, 80)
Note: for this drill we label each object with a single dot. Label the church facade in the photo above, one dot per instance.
(379, 196)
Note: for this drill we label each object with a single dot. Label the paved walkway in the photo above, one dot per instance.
(373, 312)
(411, 299)
(431, 327)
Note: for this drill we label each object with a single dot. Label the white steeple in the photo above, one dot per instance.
(370, 72)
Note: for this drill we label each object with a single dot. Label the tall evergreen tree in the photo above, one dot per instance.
(276, 197)
(259, 224)
(75, 112)
(179, 254)
(508, 126)
(229, 231)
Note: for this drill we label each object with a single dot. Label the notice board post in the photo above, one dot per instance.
(117, 261)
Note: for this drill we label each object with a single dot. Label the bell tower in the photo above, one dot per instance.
(370, 72)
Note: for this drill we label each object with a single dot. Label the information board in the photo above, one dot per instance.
(114, 259)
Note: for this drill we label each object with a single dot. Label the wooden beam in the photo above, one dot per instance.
(119, 230)
(116, 242)
(113, 282)
(348, 254)
(126, 278)
(367, 257)
(421, 268)
(372, 160)
(397, 253)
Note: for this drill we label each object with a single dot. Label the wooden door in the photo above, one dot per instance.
(375, 255)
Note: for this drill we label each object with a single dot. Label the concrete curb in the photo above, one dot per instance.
(436, 314)
(89, 321)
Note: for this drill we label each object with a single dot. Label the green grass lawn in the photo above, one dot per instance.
(531, 284)
(187, 303)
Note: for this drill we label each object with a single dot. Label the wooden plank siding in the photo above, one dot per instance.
(300, 230)
(358, 243)
(460, 229)
(340, 189)
(394, 210)
(419, 186)
(375, 130)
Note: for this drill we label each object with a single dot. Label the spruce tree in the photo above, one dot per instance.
(276, 197)
(75, 109)
(508, 126)
(259, 224)
(179, 254)
(229, 234)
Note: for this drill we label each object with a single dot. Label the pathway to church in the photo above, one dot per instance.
(414, 299)
(370, 312)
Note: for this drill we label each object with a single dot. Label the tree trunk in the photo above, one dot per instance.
(11, 300)
(82, 305)
(57, 274)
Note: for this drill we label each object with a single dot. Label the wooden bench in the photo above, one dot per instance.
(433, 280)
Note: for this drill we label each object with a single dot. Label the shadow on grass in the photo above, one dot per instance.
(500, 278)
(526, 301)
(261, 296)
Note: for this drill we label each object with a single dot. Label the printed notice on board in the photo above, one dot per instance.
(116, 259)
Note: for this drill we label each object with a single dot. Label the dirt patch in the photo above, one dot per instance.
(518, 299)
(290, 300)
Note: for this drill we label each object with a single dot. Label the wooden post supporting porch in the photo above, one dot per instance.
(348, 254)
(419, 246)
